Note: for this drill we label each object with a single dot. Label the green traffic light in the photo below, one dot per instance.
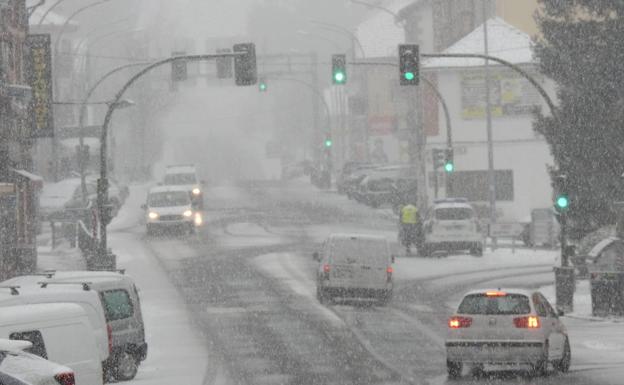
(262, 86)
(328, 143)
(562, 202)
(409, 76)
(339, 77)
(449, 167)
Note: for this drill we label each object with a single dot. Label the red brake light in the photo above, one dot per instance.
(459, 322)
(495, 294)
(65, 378)
(326, 268)
(529, 322)
(389, 270)
(109, 332)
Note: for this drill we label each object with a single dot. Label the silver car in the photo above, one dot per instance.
(506, 328)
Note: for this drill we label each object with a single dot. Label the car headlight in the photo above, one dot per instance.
(196, 191)
(188, 213)
(152, 215)
(198, 219)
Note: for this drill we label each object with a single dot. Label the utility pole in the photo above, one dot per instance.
(488, 118)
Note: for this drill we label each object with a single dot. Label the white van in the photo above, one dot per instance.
(25, 290)
(355, 266)
(60, 332)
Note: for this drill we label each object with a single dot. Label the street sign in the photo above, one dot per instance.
(7, 188)
(506, 230)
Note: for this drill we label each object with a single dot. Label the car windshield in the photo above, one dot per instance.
(453, 213)
(169, 198)
(179, 179)
(359, 251)
(509, 304)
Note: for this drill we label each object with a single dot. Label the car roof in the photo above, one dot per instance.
(504, 290)
(357, 236)
(40, 311)
(14, 345)
(448, 205)
(159, 189)
(182, 168)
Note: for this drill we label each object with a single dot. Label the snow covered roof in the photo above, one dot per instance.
(504, 41)
(379, 34)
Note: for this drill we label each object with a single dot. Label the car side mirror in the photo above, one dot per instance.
(316, 256)
(144, 206)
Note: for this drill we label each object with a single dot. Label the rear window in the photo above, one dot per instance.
(180, 179)
(495, 305)
(453, 213)
(366, 251)
(117, 304)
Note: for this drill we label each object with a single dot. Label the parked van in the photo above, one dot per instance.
(31, 293)
(122, 310)
(60, 332)
(355, 266)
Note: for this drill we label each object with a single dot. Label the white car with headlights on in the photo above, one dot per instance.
(505, 329)
(170, 208)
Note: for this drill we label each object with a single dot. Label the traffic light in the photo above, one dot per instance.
(179, 72)
(262, 85)
(339, 69)
(328, 143)
(562, 195)
(224, 64)
(438, 156)
(245, 67)
(409, 64)
(449, 163)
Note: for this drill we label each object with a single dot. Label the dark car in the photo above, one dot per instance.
(344, 178)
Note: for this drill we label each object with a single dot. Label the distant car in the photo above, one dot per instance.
(116, 196)
(506, 328)
(347, 170)
(15, 362)
(170, 208)
(388, 185)
(355, 266)
(452, 225)
(186, 176)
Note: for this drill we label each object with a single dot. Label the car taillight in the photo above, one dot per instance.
(109, 332)
(66, 378)
(459, 322)
(389, 272)
(326, 268)
(530, 322)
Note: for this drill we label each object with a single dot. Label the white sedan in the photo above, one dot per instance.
(15, 361)
(506, 328)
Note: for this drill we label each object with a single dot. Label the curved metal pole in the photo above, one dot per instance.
(447, 115)
(102, 193)
(379, 7)
(514, 67)
(344, 30)
(48, 11)
(81, 119)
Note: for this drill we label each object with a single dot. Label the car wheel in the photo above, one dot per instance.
(127, 366)
(563, 365)
(454, 369)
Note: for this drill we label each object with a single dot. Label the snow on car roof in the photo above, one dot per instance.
(14, 345)
(168, 188)
(600, 246)
(502, 290)
(357, 236)
(174, 169)
(40, 311)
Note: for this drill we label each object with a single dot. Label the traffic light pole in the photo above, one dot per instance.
(102, 191)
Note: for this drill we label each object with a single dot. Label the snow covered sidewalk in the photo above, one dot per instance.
(176, 353)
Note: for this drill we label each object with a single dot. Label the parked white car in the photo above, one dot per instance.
(506, 327)
(32, 369)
